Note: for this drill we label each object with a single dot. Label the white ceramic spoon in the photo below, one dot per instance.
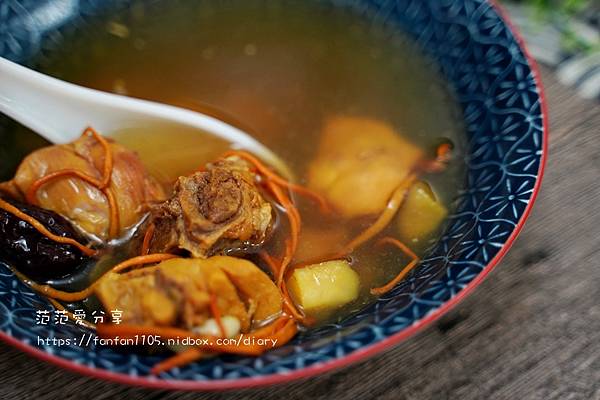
(59, 111)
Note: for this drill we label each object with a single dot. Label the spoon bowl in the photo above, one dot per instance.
(59, 111)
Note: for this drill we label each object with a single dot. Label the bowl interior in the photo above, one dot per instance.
(493, 82)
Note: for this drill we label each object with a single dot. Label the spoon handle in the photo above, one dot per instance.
(46, 105)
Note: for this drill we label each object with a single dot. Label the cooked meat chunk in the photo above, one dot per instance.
(211, 211)
(177, 292)
(359, 163)
(78, 201)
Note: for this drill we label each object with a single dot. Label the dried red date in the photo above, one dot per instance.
(32, 253)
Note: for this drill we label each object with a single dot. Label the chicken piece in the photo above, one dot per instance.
(359, 163)
(177, 292)
(211, 211)
(258, 289)
(78, 201)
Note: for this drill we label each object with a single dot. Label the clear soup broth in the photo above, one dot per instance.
(277, 70)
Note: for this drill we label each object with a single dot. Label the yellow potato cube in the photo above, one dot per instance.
(421, 214)
(325, 286)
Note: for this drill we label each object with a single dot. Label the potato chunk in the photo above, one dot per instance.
(359, 163)
(323, 287)
(421, 214)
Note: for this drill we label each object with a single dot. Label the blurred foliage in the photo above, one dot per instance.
(567, 7)
(562, 13)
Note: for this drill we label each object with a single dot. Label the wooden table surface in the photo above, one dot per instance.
(530, 331)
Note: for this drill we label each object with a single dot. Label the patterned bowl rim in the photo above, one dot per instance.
(356, 356)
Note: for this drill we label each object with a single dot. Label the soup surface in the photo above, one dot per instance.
(278, 70)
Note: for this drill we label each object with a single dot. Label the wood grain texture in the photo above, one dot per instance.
(530, 331)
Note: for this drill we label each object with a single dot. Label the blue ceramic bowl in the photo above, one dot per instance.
(498, 89)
